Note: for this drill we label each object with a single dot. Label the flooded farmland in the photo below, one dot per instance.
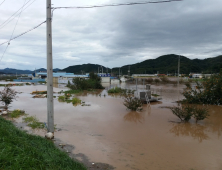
(152, 139)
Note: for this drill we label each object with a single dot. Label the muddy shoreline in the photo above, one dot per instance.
(67, 148)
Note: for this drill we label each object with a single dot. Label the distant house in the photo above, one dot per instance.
(144, 75)
(198, 75)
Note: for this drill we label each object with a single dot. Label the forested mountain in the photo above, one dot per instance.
(84, 68)
(169, 64)
(15, 71)
(163, 65)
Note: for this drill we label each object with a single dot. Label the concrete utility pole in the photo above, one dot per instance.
(50, 107)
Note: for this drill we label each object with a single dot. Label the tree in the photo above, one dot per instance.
(94, 82)
(7, 95)
(208, 92)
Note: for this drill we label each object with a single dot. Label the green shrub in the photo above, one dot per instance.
(133, 103)
(115, 90)
(200, 113)
(94, 82)
(7, 95)
(207, 92)
(76, 101)
(185, 112)
(61, 98)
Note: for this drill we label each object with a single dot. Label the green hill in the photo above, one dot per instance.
(163, 65)
(86, 68)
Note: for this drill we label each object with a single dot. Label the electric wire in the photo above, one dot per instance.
(120, 4)
(95, 6)
(23, 33)
(2, 2)
(15, 14)
(12, 33)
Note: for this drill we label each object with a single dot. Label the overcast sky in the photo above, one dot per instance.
(110, 36)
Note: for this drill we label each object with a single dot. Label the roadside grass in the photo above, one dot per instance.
(16, 113)
(19, 150)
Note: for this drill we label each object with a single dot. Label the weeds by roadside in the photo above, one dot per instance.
(20, 150)
(16, 113)
(33, 122)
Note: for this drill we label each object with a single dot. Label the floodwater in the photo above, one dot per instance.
(153, 139)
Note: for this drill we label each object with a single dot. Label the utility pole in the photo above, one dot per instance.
(50, 107)
(129, 71)
(178, 69)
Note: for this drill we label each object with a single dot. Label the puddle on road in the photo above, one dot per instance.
(153, 139)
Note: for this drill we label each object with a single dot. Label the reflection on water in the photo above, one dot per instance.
(134, 116)
(196, 131)
(214, 120)
(139, 117)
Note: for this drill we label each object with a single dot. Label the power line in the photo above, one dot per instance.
(95, 6)
(2, 3)
(15, 14)
(12, 32)
(113, 5)
(23, 33)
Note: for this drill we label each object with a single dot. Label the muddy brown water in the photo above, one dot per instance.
(153, 139)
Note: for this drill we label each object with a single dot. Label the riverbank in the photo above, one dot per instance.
(20, 150)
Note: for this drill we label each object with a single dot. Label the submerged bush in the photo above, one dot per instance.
(133, 103)
(200, 114)
(61, 98)
(185, 112)
(115, 90)
(76, 100)
(156, 80)
(164, 79)
(149, 80)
